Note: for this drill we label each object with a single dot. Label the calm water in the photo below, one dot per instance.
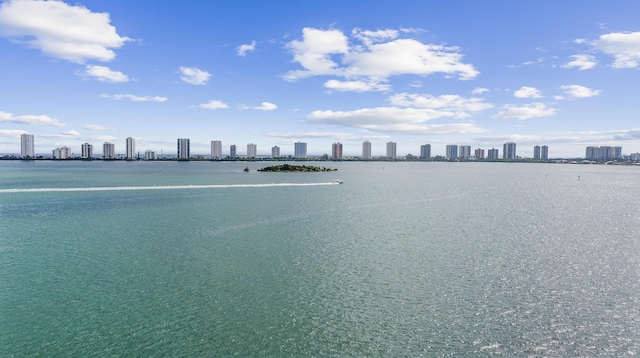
(403, 259)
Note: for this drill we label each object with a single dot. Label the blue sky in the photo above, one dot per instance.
(480, 73)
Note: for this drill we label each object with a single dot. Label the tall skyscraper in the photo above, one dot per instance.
(509, 150)
(464, 151)
(479, 153)
(451, 152)
(184, 148)
(336, 150)
(252, 150)
(391, 150)
(425, 151)
(232, 151)
(87, 150)
(26, 146)
(366, 150)
(545, 153)
(536, 152)
(300, 150)
(108, 151)
(216, 149)
(275, 152)
(604, 153)
(131, 148)
(493, 153)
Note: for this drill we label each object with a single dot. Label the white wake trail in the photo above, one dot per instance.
(159, 187)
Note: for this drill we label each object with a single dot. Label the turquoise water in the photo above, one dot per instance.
(403, 259)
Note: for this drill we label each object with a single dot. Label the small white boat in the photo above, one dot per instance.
(338, 181)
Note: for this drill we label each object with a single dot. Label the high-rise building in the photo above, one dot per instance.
(425, 151)
(232, 151)
(300, 150)
(604, 153)
(150, 155)
(391, 150)
(131, 148)
(275, 152)
(366, 150)
(464, 151)
(184, 148)
(26, 146)
(493, 153)
(451, 152)
(216, 149)
(479, 153)
(87, 151)
(108, 151)
(61, 153)
(252, 150)
(536, 152)
(336, 150)
(544, 155)
(509, 150)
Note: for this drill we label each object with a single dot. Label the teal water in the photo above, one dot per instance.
(403, 259)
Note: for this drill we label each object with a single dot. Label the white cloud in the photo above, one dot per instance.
(336, 135)
(214, 104)
(582, 62)
(72, 33)
(623, 46)
(103, 74)
(95, 127)
(134, 98)
(577, 91)
(243, 49)
(70, 133)
(394, 119)
(194, 76)
(479, 90)
(11, 133)
(265, 106)
(30, 119)
(455, 104)
(527, 92)
(356, 86)
(525, 112)
(381, 55)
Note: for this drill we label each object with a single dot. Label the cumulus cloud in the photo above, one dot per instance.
(479, 90)
(103, 74)
(527, 92)
(581, 62)
(194, 76)
(378, 55)
(336, 135)
(525, 112)
(213, 104)
(11, 133)
(356, 86)
(95, 127)
(29, 119)
(244, 49)
(577, 91)
(265, 106)
(623, 46)
(69, 32)
(457, 105)
(134, 98)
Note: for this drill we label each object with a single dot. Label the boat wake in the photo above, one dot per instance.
(160, 187)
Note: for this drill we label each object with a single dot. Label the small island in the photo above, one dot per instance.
(287, 168)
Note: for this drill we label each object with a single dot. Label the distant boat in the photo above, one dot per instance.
(246, 170)
(338, 181)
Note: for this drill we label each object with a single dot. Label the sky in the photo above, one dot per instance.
(481, 73)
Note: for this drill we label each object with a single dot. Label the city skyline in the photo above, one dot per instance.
(473, 74)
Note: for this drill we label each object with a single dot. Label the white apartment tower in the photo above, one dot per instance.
(87, 151)
(391, 150)
(131, 148)
(108, 151)
(451, 152)
(509, 150)
(544, 155)
(300, 150)
(252, 150)
(464, 151)
(183, 148)
(216, 149)
(26, 146)
(425, 151)
(275, 151)
(366, 150)
(62, 153)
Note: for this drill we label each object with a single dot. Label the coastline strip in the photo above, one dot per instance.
(159, 187)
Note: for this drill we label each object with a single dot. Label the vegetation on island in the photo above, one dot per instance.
(295, 168)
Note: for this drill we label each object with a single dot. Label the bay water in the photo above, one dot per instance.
(403, 259)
